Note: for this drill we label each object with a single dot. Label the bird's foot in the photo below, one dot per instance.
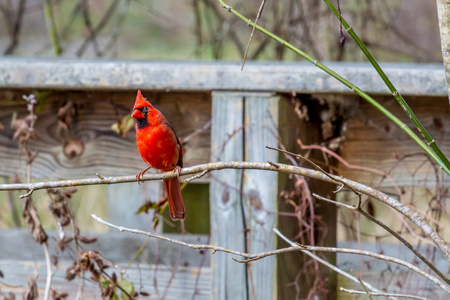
(140, 175)
(177, 170)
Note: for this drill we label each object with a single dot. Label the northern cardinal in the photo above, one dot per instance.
(161, 149)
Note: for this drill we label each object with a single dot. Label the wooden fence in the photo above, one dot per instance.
(248, 110)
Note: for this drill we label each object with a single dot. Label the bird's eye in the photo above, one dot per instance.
(145, 109)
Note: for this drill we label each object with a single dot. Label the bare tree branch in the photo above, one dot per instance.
(409, 213)
(106, 18)
(15, 30)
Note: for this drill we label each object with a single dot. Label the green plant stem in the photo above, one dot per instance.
(347, 83)
(431, 142)
(51, 26)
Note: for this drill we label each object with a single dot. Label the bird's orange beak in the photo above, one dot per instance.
(137, 114)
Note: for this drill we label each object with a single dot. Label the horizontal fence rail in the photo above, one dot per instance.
(410, 79)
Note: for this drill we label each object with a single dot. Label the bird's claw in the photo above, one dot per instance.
(177, 170)
(140, 175)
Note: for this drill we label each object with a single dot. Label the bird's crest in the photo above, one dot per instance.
(141, 101)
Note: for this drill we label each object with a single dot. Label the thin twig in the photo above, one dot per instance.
(88, 24)
(15, 30)
(364, 287)
(160, 237)
(105, 19)
(382, 294)
(48, 281)
(261, 7)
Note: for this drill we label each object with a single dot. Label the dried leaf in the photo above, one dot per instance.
(67, 239)
(22, 128)
(70, 191)
(64, 116)
(54, 260)
(100, 263)
(56, 296)
(76, 230)
(114, 277)
(32, 291)
(123, 126)
(146, 207)
(109, 292)
(94, 277)
(72, 272)
(53, 191)
(58, 199)
(86, 240)
(10, 296)
(64, 221)
(85, 262)
(34, 223)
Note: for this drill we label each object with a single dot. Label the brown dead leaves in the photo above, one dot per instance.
(33, 221)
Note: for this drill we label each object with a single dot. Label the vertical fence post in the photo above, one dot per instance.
(261, 191)
(227, 227)
(243, 203)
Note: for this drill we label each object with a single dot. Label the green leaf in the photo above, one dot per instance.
(127, 286)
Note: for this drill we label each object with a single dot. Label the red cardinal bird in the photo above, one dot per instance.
(160, 148)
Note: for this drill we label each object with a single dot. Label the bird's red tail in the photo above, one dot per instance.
(173, 192)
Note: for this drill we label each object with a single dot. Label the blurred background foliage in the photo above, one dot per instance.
(394, 30)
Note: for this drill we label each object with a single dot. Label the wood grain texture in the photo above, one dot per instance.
(227, 221)
(372, 141)
(105, 151)
(301, 77)
(116, 246)
(153, 269)
(154, 279)
(261, 190)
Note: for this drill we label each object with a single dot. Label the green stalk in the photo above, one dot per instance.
(431, 142)
(51, 27)
(347, 83)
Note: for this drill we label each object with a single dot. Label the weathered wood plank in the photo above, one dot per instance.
(372, 141)
(125, 199)
(411, 79)
(389, 276)
(154, 279)
(119, 247)
(153, 269)
(104, 150)
(261, 190)
(227, 219)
